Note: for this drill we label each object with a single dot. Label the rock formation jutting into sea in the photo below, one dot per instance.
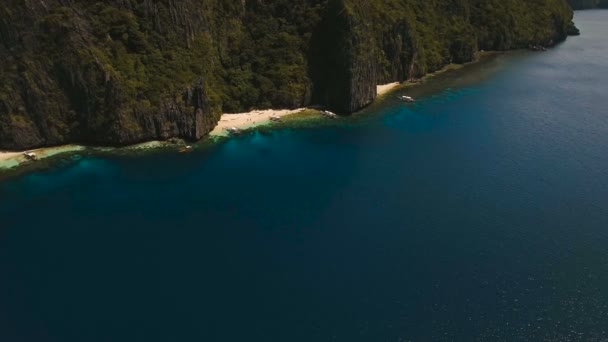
(125, 71)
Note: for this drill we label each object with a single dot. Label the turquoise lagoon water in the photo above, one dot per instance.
(478, 213)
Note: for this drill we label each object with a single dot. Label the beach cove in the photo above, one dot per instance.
(11, 160)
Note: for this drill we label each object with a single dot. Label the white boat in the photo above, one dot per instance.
(329, 114)
(407, 98)
(233, 130)
(275, 118)
(185, 149)
(30, 155)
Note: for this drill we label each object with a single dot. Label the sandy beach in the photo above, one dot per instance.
(385, 88)
(262, 117)
(9, 155)
(10, 159)
(250, 119)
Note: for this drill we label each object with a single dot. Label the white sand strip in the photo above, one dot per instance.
(385, 88)
(250, 119)
(12, 159)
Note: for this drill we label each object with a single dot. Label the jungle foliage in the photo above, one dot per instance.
(128, 70)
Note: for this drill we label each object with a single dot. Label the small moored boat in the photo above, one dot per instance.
(407, 98)
(185, 149)
(329, 114)
(233, 130)
(30, 155)
(275, 118)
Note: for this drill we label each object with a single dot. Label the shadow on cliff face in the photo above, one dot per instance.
(329, 58)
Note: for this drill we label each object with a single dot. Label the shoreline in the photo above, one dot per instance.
(249, 120)
(383, 89)
(10, 160)
(13, 159)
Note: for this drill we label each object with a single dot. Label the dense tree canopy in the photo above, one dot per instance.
(121, 71)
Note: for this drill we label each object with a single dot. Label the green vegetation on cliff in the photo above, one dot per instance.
(124, 71)
(392, 40)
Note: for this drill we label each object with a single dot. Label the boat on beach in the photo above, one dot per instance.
(275, 118)
(234, 130)
(30, 155)
(330, 114)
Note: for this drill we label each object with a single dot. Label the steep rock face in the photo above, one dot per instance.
(124, 71)
(362, 44)
(344, 69)
(77, 73)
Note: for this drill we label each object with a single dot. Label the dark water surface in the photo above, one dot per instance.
(479, 213)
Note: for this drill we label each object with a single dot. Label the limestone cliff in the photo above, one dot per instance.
(124, 71)
(364, 43)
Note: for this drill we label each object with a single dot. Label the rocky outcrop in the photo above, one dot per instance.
(189, 117)
(344, 67)
(362, 44)
(125, 71)
(66, 82)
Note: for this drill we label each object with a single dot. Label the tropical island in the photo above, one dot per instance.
(303, 170)
(122, 72)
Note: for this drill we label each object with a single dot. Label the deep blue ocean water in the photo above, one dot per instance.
(478, 213)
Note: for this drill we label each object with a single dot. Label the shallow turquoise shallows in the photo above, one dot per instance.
(479, 212)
